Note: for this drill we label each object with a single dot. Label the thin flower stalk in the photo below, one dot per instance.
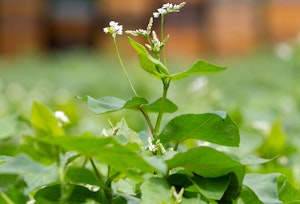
(115, 29)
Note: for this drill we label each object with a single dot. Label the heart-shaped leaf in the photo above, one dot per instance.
(211, 127)
(169, 106)
(108, 104)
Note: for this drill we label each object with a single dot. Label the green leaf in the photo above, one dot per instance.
(210, 127)
(135, 102)
(35, 175)
(52, 194)
(81, 176)
(200, 67)
(108, 104)
(106, 150)
(12, 188)
(212, 188)
(287, 192)
(248, 196)
(275, 142)
(155, 190)
(104, 104)
(8, 126)
(44, 121)
(254, 160)
(155, 107)
(207, 162)
(264, 186)
(149, 63)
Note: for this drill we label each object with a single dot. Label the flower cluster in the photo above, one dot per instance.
(142, 32)
(155, 147)
(156, 44)
(114, 29)
(168, 8)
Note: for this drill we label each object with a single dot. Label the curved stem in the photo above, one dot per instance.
(123, 67)
(146, 116)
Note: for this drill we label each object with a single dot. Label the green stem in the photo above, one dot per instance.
(162, 106)
(6, 198)
(162, 38)
(146, 116)
(123, 67)
(63, 193)
(106, 190)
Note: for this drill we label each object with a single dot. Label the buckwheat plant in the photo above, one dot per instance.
(177, 163)
(174, 172)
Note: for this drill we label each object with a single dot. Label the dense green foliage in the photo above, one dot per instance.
(179, 158)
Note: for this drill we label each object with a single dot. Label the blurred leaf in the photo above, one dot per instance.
(107, 150)
(169, 106)
(81, 176)
(155, 190)
(200, 67)
(254, 160)
(12, 188)
(110, 104)
(52, 194)
(8, 126)
(287, 192)
(44, 121)
(35, 175)
(207, 162)
(104, 104)
(275, 143)
(41, 152)
(149, 63)
(264, 186)
(209, 127)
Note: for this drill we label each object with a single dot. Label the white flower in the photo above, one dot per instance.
(151, 146)
(168, 8)
(155, 147)
(61, 117)
(114, 29)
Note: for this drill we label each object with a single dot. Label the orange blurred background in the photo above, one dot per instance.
(221, 27)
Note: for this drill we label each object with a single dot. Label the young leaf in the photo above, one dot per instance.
(155, 107)
(44, 121)
(110, 104)
(200, 67)
(106, 150)
(210, 127)
(149, 63)
(207, 162)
